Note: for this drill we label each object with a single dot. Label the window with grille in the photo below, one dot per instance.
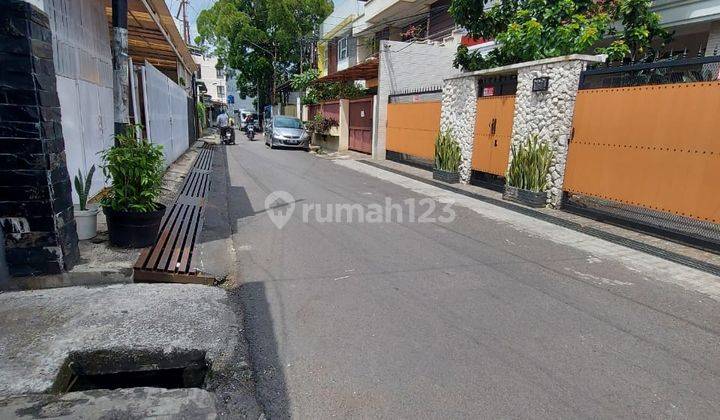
(342, 48)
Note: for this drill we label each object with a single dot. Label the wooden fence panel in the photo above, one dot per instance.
(412, 128)
(650, 146)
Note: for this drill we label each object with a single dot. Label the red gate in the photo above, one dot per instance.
(361, 125)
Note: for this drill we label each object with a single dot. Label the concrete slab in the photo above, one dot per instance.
(38, 329)
(132, 403)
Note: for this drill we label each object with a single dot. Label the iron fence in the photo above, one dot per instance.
(497, 85)
(682, 70)
(423, 94)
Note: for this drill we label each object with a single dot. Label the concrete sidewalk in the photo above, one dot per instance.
(40, 329)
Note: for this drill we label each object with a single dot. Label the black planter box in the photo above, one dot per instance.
(132, 229)
(445, 176)
(525, 197)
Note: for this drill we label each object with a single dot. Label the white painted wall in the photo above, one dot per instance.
(341, 10)
(166, 113)
(208, 75)
(83, 67)
(405, 65)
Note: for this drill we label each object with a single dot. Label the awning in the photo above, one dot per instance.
(366, 70)
(153, 36)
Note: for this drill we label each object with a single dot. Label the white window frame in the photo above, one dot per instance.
(342, 50)
(219, 88)
(219, 73)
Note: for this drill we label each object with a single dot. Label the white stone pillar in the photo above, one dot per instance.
(549, 114)
(344, 125)
(378, 142)
(457, 115)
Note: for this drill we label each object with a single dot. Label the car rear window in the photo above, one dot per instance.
(287, 122)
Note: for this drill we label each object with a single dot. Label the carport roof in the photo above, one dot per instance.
(153, 36)
(364, 71)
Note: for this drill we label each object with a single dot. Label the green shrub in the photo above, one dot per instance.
(530, 165)
(200, 107)
(135, 168)
(447, 153)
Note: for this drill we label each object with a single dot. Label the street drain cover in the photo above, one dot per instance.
(114, 369)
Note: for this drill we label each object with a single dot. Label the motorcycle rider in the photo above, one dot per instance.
(250, 126)
(223, 122)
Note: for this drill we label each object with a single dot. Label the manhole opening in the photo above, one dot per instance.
(84, 371)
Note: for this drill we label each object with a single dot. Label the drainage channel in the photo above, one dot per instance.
(170, 259)
(610, 237)
(117, 369)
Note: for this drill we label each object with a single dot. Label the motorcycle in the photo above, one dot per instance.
(227, 137)
(250, 131)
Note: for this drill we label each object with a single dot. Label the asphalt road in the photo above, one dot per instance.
(472, 318)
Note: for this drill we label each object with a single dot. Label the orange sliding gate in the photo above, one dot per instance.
(361, 123)
(493, 127)
(411, 130)
(654, 146)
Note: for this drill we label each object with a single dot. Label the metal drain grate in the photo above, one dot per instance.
(171, 258)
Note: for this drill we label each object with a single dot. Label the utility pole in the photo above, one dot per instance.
(121, 76)
(272, 100)
(186, 23)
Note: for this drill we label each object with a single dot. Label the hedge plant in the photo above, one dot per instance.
(530, 165)
(447, 153)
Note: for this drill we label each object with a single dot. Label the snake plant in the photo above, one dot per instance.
(82, 187)
(447, 153)
(530, 165)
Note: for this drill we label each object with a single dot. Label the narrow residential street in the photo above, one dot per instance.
(477, 317)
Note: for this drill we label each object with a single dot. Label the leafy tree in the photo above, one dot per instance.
(318, 92)
(529, 30)
(640, 29)
(302, 81)
(260, 41)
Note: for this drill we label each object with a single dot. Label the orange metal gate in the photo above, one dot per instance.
(493, 127)
(361, 119)
(651, 146)
(412, 128)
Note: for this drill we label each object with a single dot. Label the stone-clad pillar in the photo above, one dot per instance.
(549, 113)
(457, 115)
(36, 211)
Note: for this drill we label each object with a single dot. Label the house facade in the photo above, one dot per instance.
(337, 49)
(212, 84)
(696, 25)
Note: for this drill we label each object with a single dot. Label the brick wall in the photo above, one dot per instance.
(36, 210)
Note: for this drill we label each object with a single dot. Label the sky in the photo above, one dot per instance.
(196, 6)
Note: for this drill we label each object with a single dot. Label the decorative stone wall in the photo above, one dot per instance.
(548, 114)
(457, 115)
(36, 211)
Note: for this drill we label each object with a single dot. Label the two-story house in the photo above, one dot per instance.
(337, 49)
(211, 82)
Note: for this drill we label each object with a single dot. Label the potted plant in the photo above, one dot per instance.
(135, 169)
(85, 218)
(320, 127)
(447, 159)
(527, 179)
